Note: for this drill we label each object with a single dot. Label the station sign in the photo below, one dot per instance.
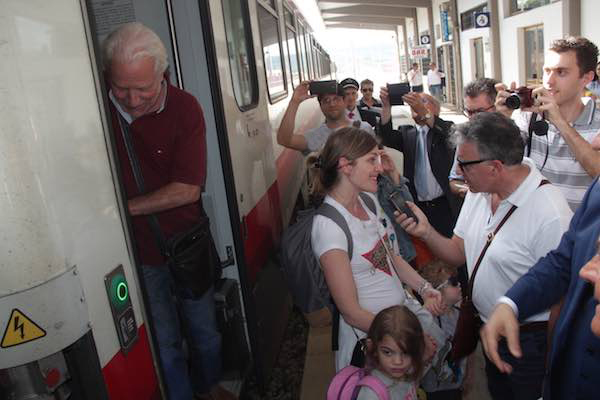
(482, 19)
(419, 52)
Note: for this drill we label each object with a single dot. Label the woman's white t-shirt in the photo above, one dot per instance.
(377, 285)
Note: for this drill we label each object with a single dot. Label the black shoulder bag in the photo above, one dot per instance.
(190, 255)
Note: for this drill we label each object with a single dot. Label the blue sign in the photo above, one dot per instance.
(482, 19)
(445, 26)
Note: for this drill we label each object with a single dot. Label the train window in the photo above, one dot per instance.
(241, 55)
(288, 16)
(293, 54)
(303, 54)
(272, 54)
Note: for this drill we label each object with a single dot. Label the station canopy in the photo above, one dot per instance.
(369, 14)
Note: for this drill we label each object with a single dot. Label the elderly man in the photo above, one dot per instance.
(574, 358)
(166, 131)
(569, 155)
(428, 156)
(479, 96)
(510, 206)
(332, 106)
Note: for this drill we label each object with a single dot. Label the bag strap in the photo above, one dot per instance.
(139, 181)
(488, 242)
(530, 132)
(375, 384)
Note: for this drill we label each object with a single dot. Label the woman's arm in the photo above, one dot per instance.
(338, 275)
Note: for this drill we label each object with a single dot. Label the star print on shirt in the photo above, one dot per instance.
(378, 256)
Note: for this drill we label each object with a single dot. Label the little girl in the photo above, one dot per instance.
(395, 352)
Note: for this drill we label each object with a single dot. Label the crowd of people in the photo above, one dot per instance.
(518, 205)
(512, 201)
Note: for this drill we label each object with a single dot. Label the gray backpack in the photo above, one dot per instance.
(301, 268)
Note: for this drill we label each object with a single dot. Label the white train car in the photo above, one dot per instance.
(72, 314)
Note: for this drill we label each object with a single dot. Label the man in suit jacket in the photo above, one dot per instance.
(428, 157)
(574, 360)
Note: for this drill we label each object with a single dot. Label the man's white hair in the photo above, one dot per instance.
(134, 41)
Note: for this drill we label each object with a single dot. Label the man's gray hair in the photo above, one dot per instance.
(481, 86)
(496, 136)
(134, 41)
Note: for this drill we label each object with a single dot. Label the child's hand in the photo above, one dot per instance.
(430, 349)
(433, 302)
(451, 295)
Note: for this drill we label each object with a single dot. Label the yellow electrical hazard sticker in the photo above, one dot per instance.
(20, 329)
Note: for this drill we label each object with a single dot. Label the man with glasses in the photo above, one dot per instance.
(367, 100)
(490, 156)
(572, 272)
(334, 109)
(478, 96)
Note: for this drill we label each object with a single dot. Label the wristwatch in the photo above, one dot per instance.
(425, 117)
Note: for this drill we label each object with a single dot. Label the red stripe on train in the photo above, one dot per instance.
(264, 223)
(132, 376)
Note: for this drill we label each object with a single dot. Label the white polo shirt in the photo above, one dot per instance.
(535, 228)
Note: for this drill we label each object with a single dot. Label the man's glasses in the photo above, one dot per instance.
(462, 164)
(469, 113)
(331, 100)
(366, 89)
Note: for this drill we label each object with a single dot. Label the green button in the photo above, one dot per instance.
(119, 292)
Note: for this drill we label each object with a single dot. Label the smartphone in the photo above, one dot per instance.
(396, 91)
(399, 204)
(323, 87)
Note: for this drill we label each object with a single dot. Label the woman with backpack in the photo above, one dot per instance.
(372, 280)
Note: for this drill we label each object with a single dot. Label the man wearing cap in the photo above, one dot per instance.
(350, 87)
(332, 106)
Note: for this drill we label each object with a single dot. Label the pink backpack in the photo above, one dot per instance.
(346, 384)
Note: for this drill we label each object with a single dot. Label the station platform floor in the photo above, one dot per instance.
(319, 365)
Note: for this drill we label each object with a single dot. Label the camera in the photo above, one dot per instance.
(396, 91)
(519, 98)
(323, 87)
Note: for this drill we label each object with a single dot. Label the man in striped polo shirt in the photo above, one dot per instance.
(568, 155)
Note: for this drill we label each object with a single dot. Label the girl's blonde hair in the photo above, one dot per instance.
(404, 328)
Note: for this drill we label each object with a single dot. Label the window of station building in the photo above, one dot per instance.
(517, 6)
(534, 54)
(241, 54)
(467, 18)
(272, 54)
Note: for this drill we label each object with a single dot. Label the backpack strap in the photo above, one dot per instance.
(369, 202)
(375, 384)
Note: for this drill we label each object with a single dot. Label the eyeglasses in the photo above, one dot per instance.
(366, 89)
(462, 164)
(331, 100)
(470, 113)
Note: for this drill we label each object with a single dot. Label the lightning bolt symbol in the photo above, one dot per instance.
(20, 327)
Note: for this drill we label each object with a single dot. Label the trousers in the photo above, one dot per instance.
(176, 315)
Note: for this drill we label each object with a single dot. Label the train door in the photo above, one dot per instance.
(236, 172)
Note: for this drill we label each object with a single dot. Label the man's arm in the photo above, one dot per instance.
(173, 195)
(285, 133)
(449, 250)
(584, 152)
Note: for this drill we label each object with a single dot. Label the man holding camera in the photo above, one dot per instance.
(333, 107)
(428, 157)
(568, 154)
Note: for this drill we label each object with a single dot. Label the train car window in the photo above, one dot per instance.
(293, 57)
(241, 55)
(288, 16)
(272, 54)
(303, 54)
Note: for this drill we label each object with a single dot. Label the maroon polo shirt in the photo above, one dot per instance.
(171, 147)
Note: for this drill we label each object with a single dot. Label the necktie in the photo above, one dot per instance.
(421, 164)
(350, 115)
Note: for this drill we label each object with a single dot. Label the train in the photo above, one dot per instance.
(72, 308)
